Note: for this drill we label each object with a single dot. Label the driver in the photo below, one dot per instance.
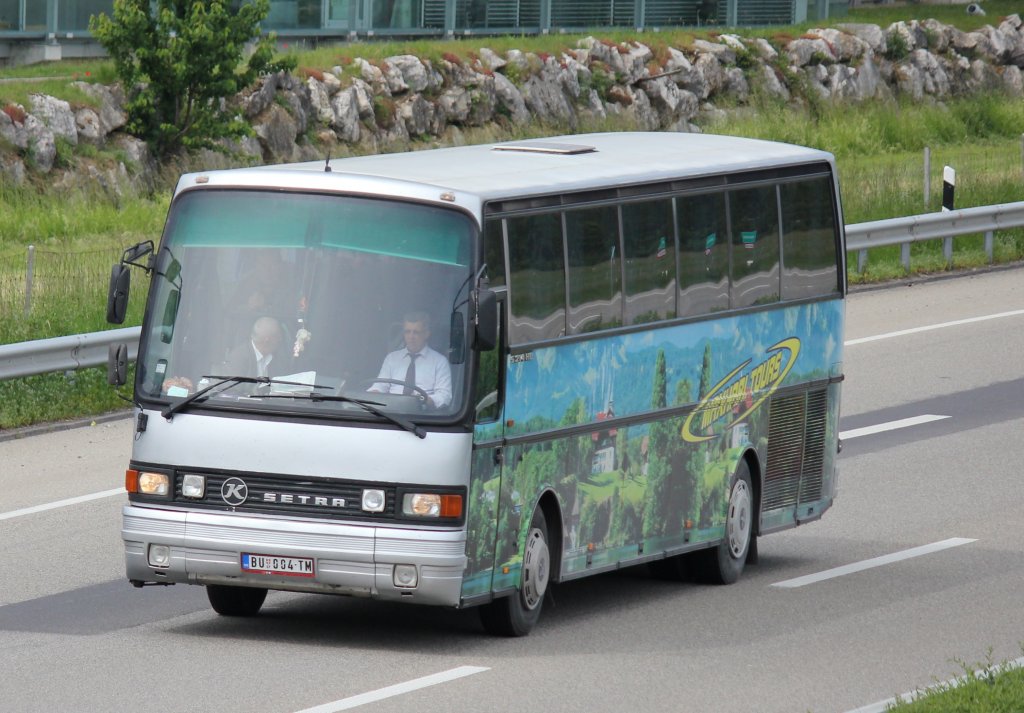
(416, 365)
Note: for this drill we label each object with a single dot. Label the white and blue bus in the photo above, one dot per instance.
(457, 376)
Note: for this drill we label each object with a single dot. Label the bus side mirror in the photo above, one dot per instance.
(117, 295)
(486, 319)
(117, 364)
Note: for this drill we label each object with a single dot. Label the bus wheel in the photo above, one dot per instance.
(724, 564)
(517, 614)
(235, 601)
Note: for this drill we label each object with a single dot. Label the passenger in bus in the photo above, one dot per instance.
(416, 364)
(259, 354)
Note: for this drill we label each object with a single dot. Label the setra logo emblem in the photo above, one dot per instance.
(234, 491)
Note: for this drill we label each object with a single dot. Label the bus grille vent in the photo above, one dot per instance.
(814, 446)
(796, 449)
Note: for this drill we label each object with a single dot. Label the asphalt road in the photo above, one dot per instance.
(74, 636)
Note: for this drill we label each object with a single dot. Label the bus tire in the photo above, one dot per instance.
(517, 614)
(724, 564)
(235, 601)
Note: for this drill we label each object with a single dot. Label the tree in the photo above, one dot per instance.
(179, 60)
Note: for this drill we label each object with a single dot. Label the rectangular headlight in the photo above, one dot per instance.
(193, 486)
(154, 483)
(432, 505)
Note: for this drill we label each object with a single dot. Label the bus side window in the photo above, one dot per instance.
(595, 274)
(754, 215)
(703, 254)
(648, 238)
(808, 239)
(494, 252)
(488, 380)
(537, 276)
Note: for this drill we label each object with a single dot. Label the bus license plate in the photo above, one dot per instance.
(270, 564)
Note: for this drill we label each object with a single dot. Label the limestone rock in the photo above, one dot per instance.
(57, 115)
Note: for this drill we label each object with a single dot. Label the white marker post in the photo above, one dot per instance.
(948, 187)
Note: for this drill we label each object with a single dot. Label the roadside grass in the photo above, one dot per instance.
(948, 14)
(58, 396)
(983, 688)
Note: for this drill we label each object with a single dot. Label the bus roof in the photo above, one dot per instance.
(559, 164)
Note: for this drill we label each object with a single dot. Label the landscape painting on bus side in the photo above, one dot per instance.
(657, 483)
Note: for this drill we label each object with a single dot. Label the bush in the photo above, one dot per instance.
(179, 60)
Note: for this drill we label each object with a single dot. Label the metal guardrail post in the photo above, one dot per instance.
(947, 250)
(988, 246)
(905, 256)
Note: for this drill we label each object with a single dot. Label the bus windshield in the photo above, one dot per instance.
(287, 298)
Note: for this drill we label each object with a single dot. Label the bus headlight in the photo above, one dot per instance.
(373, 500)
(193, 486)
(405, 576)
(432, 505)
(154, 483)
(159, 555)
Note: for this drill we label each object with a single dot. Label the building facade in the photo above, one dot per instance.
(39, 30)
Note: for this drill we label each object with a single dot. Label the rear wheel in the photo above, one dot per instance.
(235, 601)
(724, 564)
(517, 614)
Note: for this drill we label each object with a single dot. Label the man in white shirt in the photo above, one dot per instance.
(417, 364)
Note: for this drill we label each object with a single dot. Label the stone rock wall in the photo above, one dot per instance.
(389, 104)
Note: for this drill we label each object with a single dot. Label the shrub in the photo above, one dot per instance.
(178, 60)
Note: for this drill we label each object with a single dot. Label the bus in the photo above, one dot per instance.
(457, 376)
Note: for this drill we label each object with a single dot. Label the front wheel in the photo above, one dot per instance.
(517, 614)
(235, 601)
(724, 564)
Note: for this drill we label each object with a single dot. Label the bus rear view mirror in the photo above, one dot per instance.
(117, 296)
(139, 250)
(486, 334)
(117, 364)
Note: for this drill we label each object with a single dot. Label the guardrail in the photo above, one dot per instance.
(76, 351)
(86, 350)
(932, 226)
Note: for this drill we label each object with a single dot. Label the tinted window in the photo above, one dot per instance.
(755, 246)
(494, 252)
(537, 276)
(808, 239)
(649, 244)
(595, 273)
(703, 254)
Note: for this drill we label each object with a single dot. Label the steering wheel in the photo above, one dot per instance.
(421, 394)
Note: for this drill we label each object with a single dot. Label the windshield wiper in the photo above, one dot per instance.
(220, 381)
(370, 406)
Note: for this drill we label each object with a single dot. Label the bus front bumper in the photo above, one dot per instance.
(355, 560)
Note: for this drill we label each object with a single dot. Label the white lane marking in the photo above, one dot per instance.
(397, 690)
(928, 328)
(890, 426)
(874, 562)
(61, 503)
(885, 705)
